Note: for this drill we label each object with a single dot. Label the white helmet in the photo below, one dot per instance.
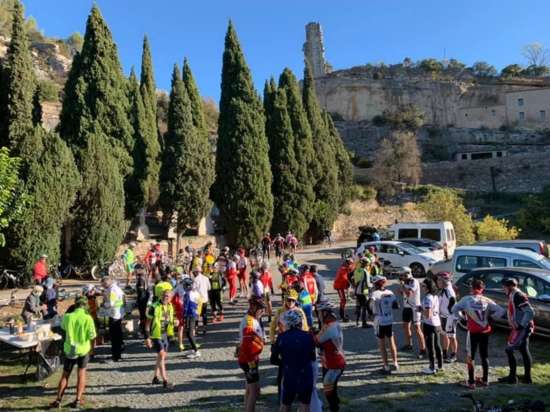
(292, 319)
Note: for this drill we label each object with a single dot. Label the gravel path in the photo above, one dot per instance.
(214, 382)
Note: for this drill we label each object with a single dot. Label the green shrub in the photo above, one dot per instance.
(491, 228)
(536, 215)
(363, 162)
(49, 91)
(431, 66)
(363, 193)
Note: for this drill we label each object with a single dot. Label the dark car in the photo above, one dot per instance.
(427, 244)
(533, 282)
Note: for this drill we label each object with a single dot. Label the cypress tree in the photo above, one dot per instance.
(287, 211)
(343, 162)
(270, 88)
(150, 137)
(242, 190)
(308, 167)
(98, 226)
(20, 85)
(137, 186)
(95, 93)
(326, 180)
(184, 185)
(205, 159)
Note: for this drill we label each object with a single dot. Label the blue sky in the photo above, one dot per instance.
(272, 32)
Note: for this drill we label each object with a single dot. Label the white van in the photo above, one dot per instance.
(442, 232)
(467, 258)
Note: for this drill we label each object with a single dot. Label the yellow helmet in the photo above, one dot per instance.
(292, 294)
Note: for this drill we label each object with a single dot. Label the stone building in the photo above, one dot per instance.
(314, 50)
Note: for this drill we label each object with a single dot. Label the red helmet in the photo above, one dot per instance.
(444, 275)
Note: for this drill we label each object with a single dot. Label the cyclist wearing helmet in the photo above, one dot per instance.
(383, 302)
(478, 310)
(310, 282)
(520, 318)
(256, 286)
(191, 302)
(267, 282)
(447, 299)
(304, 301)
(129, 258)
(431, 326)
(279, 245)
(251, 344)
(342, 284)
(410, 291)
(330, 340)
(362, 283)
(290, 303)
(266, 246)
(217, 283)
(293, 352)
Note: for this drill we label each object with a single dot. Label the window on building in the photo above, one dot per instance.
(493, 112)
(542, 115)
(465, 114)
(483, 155)
(499, 154)
(464, 156)
(520, 102)
(521, 116)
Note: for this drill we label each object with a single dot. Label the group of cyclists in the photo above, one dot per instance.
(177, 301)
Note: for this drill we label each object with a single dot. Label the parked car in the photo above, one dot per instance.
(424, 244)
(537, 246)
(366, 234)
(442, 232)
(404, 254)
(468, 258)
(533, 282)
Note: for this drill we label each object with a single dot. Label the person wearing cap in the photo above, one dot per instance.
(251, 345)
(330, 340)
(267, 282)
(290, 303)
(113, 301)
(33, 308)
(293, 352)
(447, 299)
(478, 310)
(304, 301)
(40, 269)
(232, 278)
(410, 291)
(383, 302)
(163, 285)
(361, 284)
(191, 307)
(520, 315)
(202, 285)
(129, 258)
(79, 331)
(158, 330)
(290, 277)
(431, 326)
(217, 283)
(342, 284)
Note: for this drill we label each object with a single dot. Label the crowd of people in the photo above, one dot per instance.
(177, 300)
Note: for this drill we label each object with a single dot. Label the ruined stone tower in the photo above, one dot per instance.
(314, 51)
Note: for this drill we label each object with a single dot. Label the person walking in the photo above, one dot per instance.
(342, 284)
(142, 295)
(158, 330)
(447, 299)
(293, 352)
(410, 291)
(191, 303)
(40, 270)
(251, 345)
(242, 265)
(113, 301)
(478, 310)
(79, 331)
(129, 258)
(431, 326)
(267, 282)
(330, 340)
(279, 246)
(232, 278)
(383, 302)
(202, 285)
(266, 246)
(520, 318)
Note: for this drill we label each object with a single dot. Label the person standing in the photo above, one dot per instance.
(215, 293)
(330, 340)
(431, 326)
(33, 307)
(242, 265)
(158, 330)
(142, 295)
(342, 284)
(202, 285)
(129, 258)
(251, 345)
(361, 284)
(410, 290)
(266, 246)
(267, 282)
(79, 331)
(232, 278)
(447, 299)
(113, 301)
(478, 310)
(163, 285)
(520, 318)
(256, 285)
(277, 323)
(294, 351)
(383, 302)
(191, 303)
(40, 270)
(304, 301)
(279, 246)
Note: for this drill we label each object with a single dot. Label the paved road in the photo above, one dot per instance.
(214, 381)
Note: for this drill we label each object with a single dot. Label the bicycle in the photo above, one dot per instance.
(11, 279)
(525, 406)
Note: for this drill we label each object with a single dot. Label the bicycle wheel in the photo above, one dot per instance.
(94, 272)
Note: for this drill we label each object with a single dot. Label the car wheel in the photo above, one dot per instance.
(417, 270)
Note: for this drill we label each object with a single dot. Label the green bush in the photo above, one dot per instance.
(363, 193)
(49, 91)
(363, 162)
(406, 117)
(431, 66)
(491, 228)
(536, 215)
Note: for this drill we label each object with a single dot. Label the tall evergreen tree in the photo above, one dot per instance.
(242, 189)
(343, 162)
(326, 182)
(308, 166)
(270, 88)
(184, 184)
(150, 137)
(287, 211)
(94, 122)
(20, 85)
(95, 93)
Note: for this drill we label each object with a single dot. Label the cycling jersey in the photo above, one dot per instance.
(361, 279)
(251, 338)
(383, 303)
(311, 285)
(191, 303)
(278, 325)
(267, 281)
(257, 289)
(478, 309)
(331, 341)
(447, 300)
(520, 312)
(342, 277)
(162, 320)
(411, 294)
(431, 303)
(216, 280)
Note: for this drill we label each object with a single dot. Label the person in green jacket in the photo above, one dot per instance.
(361, 284)
(129, 262)
(158, 330)
(79, 330)
(217, 282)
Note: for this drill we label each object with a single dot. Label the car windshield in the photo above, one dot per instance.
(413, 250)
